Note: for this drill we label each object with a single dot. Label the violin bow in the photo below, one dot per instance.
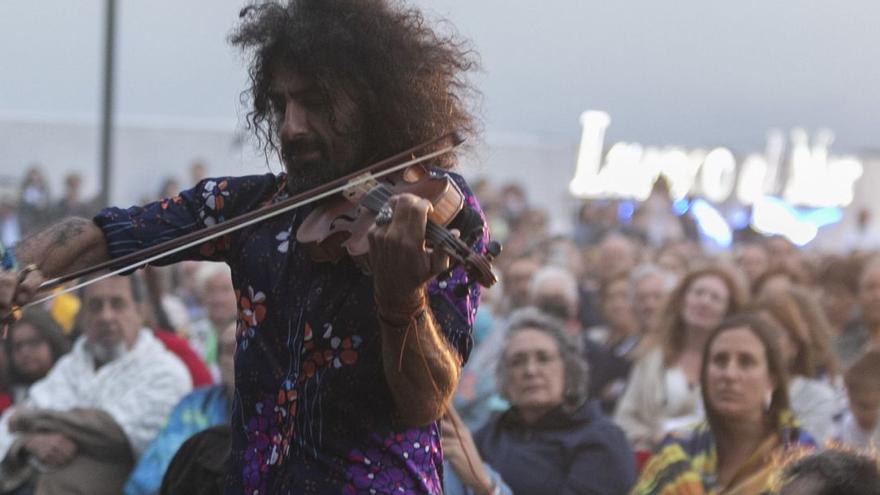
(146, 256)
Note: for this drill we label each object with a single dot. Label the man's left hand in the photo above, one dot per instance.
(399, 259)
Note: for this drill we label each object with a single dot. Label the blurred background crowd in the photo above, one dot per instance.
(716, 333)
(627, 354)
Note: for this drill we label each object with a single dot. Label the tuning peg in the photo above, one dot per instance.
(493, 249)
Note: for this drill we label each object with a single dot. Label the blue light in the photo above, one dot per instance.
(821, 217)
(800, 225)
(711, 223)
(625, 211)
(680, 206)
(739, 218)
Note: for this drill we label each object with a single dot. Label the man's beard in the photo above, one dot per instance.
(105, 353)
(308, 174)
(304, 176)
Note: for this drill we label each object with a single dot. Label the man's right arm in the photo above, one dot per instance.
(65, 247)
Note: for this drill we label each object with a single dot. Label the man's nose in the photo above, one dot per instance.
(295, 122)
(105, 313)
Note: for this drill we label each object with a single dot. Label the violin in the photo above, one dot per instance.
(339, 227)
(364, 196)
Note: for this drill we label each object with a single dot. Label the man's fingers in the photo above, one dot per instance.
(28, 287)
(410, 215)
(439, 260)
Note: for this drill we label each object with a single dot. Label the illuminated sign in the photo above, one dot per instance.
(813, 178)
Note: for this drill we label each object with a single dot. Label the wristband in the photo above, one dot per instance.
(400, 319)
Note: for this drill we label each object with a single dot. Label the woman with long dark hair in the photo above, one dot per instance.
(748, 424)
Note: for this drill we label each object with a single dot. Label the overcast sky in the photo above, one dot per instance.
(689, 72)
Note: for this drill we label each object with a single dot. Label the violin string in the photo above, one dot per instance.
(379, 196)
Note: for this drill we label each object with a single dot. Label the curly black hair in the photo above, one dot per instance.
(408, 79)
(833, 472)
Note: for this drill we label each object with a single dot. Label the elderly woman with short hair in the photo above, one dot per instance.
(551, 440)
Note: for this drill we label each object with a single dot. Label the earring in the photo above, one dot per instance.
(768, 399)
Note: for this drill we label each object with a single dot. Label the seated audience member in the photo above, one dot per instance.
(839, 288)
(821, 332)
(813, 400)
(515, 282)
(615, 254)
(217, 295)
(615, 340)
(551, 440)
(199, 467)
(672, 260)
(747, 425)
(650, 286)
(859, 426)
(184, 287)
(776, 280)
(615, 303)
(84, 424)
(554, 291)
(199, 374)
(664, 386)
(832, 472)
(753, 260)
(865, 330)
(203, 408)
(618, 253)
(33, 345)
(464, 472)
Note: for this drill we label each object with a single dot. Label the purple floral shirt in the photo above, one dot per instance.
(312, 412)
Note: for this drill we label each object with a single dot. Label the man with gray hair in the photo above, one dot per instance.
(82, 426)
(650, 285)
(554, 291)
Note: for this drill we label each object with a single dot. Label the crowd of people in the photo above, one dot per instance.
(31, 205)
(622, 357)
(604, 362)
(703, 370)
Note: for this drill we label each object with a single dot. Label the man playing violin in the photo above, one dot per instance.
(340, 376)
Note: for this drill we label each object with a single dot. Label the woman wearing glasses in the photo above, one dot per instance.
(551, 440)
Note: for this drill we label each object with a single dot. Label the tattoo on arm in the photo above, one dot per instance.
(68, 230)
(71, 244)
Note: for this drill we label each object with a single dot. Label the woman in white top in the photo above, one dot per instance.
(663, 391)
(811, 367)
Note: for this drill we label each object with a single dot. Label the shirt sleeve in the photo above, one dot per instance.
(454, 299)
(210, 202)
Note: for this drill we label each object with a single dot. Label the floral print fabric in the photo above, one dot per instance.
(312, 411)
